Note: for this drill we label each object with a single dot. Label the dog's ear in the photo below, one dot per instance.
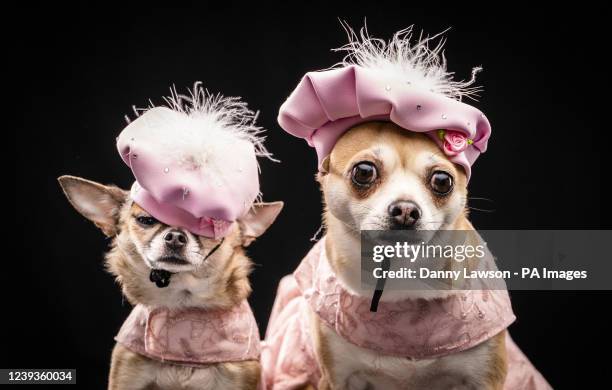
(323, 169)
(96, 202)
(258, 220)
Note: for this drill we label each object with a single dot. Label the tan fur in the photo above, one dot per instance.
(498, 367)
(221, 281)
(402, 157)
(130, 371)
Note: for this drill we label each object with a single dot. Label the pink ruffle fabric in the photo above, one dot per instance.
(437, 327)
(192, 336)
(325, 104)
(172, 215)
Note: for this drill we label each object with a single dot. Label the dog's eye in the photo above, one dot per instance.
(441, 182)
(146, 220)
(364, 173)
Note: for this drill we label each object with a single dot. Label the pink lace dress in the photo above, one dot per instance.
(192, 336)
(436, 328)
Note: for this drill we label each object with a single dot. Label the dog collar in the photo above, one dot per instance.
(437, 327)
(160, 277)
(192, 336)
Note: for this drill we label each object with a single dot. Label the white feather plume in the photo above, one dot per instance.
(420, 62)
(212, 115)
(202, 129)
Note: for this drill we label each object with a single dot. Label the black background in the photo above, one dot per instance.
(79, 70)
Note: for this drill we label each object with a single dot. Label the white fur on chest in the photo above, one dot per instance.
(357, 368)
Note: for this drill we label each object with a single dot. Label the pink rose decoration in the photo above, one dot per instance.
(454, 142)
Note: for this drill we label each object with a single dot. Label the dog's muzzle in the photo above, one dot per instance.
(161, 277)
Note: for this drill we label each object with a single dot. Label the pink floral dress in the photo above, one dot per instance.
(192, 336)
(414, 328)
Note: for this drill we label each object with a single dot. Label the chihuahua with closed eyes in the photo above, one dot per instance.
(178, 239)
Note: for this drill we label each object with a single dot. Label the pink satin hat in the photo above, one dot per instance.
(393, 81)
(195, 164)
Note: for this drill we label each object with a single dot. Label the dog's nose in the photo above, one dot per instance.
(175, 239)
(404, 213)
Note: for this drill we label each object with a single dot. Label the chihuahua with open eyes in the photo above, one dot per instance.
(380, 177)
(395, 147)
(178, 240)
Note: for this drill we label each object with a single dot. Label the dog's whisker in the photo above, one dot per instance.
(483, 210)
(479, 198)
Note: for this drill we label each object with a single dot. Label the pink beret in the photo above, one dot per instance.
(195, 167)
(407, 85)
